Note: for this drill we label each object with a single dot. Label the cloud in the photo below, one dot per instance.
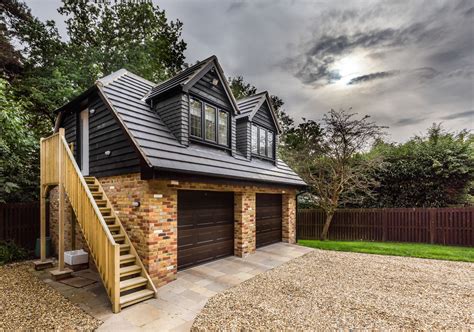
(237, 5)
(314, 64)
(408, 121)
(371, 77)
(459, 115)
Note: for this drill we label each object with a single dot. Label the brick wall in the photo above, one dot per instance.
(152, 227)
(70, 238)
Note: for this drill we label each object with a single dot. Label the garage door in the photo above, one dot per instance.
(205, 226)
(268, 219)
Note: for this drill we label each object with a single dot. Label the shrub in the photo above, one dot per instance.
(10, 252)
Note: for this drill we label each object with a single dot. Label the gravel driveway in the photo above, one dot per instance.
(27, 303)
(329, 290)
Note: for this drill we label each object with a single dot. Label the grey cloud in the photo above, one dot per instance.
(371, 77)
(459, 115)
(469, 12)
(237, 5)
(408, 121)
(317, 60)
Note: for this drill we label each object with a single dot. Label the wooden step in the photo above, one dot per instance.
(97, 195)
(124, 247)
(127, 258)
(89, 179)
(101, 202)
(93, 187)
(109, 219)
(136, 297)
(132, 283)
(105, 211)
(118, 237)
(114, 228)
(130, 270)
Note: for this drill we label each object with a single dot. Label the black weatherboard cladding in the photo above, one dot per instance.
(264, 118)
(105, 134)
(163, 151)
(69, 123)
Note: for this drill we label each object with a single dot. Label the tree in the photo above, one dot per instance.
(101, 39)
(19, 155)
(330, 158)
(432, 170)
(46, 71)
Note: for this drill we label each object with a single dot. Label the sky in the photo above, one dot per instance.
(407, 64)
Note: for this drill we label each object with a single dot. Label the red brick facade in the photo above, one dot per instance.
(152, 227)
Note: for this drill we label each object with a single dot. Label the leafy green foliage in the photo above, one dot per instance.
(101, 39)
(19, 155)
(10, 252)
(45, 71)
(435, 170)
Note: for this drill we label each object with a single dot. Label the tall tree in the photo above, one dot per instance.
(329, 158)
(46, 71)
(432, 170)
(101, 38)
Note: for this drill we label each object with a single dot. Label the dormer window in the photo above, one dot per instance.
(262, 142)
(214, 128)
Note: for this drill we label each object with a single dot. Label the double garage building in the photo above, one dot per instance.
(192, 173)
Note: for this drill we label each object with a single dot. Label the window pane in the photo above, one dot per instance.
(196, 118)
(254, 139)
(223, 127)
(210, 124)
(262, 141)
(270, 144)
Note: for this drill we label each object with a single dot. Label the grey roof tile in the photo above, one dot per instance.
(126, 93)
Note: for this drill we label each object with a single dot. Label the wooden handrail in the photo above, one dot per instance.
(104, 250)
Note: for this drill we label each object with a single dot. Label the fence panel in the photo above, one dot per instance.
(448, 226)
(20, 223)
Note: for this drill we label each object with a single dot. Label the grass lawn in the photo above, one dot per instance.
(396, 249)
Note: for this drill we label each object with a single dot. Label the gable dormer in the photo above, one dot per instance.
(257, 127)
(197, 105)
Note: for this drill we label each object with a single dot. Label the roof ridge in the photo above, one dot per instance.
(197, 64)
(252, 96)
(106, 80)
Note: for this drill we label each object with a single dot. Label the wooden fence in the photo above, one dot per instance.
(20, 223)
(449, 226)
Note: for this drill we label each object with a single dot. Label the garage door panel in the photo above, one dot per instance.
(268, 219)
(205, 226)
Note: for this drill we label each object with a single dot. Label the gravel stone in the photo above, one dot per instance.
(27, 303)
(337, 290)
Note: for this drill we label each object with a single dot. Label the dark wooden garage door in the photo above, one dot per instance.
(205, 226)
(268, 219)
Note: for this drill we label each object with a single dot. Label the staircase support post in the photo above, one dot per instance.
(61, 202)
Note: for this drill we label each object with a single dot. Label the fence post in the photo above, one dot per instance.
(432, 216)
(384, 224)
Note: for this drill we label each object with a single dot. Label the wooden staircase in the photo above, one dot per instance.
(135, 284)
(120, 268)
